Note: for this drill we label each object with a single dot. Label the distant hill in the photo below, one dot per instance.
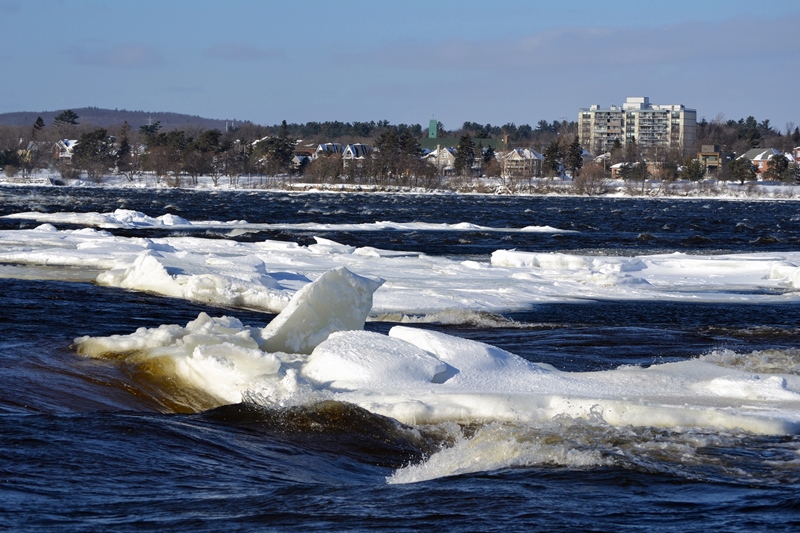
(104, 118)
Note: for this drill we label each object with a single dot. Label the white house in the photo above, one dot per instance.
(355, 153)
(327, 149)
(63, 149)
(443, 159)
(522, 162)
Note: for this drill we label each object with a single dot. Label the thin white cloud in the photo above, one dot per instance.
(705, 65)
(232, 51)
(10, 6)
(124, 56)
(185, 89)
(732, 40)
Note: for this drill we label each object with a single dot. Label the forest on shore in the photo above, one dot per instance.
(179, 154)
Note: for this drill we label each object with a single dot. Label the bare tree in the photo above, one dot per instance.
(593, 180)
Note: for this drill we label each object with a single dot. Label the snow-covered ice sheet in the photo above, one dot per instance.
(317, 350)
(264, 275)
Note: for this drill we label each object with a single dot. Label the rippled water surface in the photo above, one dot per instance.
(90, 446)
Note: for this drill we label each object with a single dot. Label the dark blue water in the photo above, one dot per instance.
(622, 225)
(87, 445)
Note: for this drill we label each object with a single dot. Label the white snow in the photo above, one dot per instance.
(126, 218)
(264, 275)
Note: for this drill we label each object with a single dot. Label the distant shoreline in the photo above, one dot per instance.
(540, 187)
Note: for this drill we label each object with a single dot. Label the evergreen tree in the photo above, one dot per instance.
(631, 151)
(396, 152)
(386, 163)
(276, 152)
(573, 159)
(95, 153)
(465, 155)
(749, 131)
(68, 117)
(552, 159)
(9, 160)
(38, 126)
(165, 151)
(128, 161)
(692, 170)
(741, 170)
(200, 154)
(543, 126)
(488, 154)
(616, 152)
(285, 149)
(150, 131)
(409, 144)
(796, 137)
(777, 168)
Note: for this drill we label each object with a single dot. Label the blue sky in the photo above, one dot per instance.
(403, 61)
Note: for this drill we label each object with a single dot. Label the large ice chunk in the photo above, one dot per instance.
(145, 274)
(148, 272)
(473, 364)
(337, 301)
(358, 360)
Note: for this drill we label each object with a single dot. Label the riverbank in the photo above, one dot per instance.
(491, 186)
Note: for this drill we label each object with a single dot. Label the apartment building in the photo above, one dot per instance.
(650, 125)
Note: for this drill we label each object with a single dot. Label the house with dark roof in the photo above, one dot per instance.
(356, 151)
(760, 158)
(356, 154)
(327, 149)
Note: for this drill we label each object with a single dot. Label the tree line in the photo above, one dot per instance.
(741, 135)
(179, 155)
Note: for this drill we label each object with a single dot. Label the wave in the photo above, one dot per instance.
(454, 317)
(775, 361)
(581, 444)
(337, 428)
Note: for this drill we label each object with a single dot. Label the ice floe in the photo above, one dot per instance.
(264, 275)
(318, 350)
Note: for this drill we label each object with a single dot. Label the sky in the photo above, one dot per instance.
(406, 61)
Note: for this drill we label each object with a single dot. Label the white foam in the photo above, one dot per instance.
(496, 446)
